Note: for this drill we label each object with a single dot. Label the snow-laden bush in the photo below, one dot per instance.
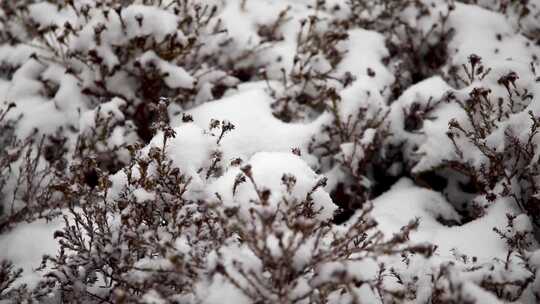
(258, 151)
(263, 229)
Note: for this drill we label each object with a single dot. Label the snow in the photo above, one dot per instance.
(268, 169)
(405, 201)
(46, 14)
(25, 245)
(365, 50)
(487, 25)
(256, 129)
(189, 150)
(175, 76)
(63, 88)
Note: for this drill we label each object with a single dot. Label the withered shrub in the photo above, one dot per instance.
(139, 228)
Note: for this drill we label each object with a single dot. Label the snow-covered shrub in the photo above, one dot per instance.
(503, 136)
(263, 229)
(491, 138)
(416, 32)
(25, 175)
(285, 247)
(263, 151)
(140, 232)
(149, 233)
(95, 72)
(8, 276)
(351, 144)
(82, 54)
(313, 76)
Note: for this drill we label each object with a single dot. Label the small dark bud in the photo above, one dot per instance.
(58, 234)
(474, 60)
(187, 118)
(247, 170)
(236, 162)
